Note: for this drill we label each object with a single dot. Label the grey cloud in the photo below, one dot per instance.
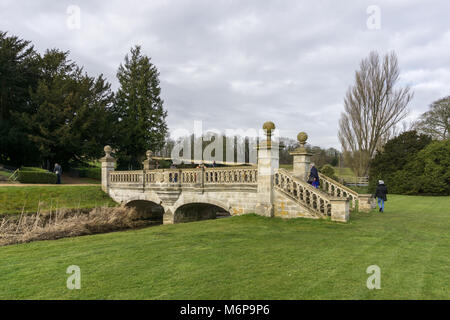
(236, 64)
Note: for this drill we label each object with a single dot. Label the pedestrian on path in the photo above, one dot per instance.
(58, 172)
(380, 194)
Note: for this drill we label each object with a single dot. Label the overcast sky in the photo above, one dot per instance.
(236, 64)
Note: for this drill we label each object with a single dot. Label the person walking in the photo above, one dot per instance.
(58, 172)
(314, 176)
(380, 194)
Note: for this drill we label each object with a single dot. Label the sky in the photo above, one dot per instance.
(236, 64)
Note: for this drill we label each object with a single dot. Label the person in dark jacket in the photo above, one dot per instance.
(380, 194)
(58, 172)
(314, 176)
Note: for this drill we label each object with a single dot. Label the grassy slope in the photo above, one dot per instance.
(345, 173)
(247, 257)
(12, 199)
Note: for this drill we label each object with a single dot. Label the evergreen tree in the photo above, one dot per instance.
(397, 153)
(19, 72)
(138, 110)
(70, 119)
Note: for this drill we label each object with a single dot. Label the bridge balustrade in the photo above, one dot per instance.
(126, 177)
(231, 175)
(336, 189)
(302, 192)
(241, 175)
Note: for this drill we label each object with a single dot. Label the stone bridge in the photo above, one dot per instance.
(181, 195)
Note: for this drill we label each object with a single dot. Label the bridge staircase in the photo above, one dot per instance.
(316, 201)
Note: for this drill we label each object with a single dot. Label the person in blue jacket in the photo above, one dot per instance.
(314, 176)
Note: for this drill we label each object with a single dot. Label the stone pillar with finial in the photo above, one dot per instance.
(148, 163)
(108, 165)
(268, 163)
(301, 158)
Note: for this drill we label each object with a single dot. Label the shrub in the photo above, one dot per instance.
(429, 172)
(397, 153)
(33, 169)
(328, 171)
(36, 176)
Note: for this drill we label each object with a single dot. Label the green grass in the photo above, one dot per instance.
(345, 173)
(360, 189)
(12, 199)
(247, 257)
(82, 180)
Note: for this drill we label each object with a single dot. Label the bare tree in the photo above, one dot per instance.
(373, 107)
(435, 122)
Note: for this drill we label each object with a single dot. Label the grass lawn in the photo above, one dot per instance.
(12, 199)
(360, 189)
(247, 257)
(345, 173)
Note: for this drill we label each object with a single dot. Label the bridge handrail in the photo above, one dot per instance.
(125, 176)
(302, 192)
(336, 189)
(241, 174)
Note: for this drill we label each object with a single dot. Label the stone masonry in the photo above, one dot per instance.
(263, 189)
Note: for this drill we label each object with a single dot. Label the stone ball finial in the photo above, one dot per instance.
(269, 126)
(302, 137)
(149, 153)
(107, 150)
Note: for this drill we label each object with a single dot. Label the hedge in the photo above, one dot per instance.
(36, 169)
(93, 173)
(36, 177)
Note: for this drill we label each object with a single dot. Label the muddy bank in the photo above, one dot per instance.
(69, 223)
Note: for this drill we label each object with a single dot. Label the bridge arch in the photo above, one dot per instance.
(147, 209)
(196, 211)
